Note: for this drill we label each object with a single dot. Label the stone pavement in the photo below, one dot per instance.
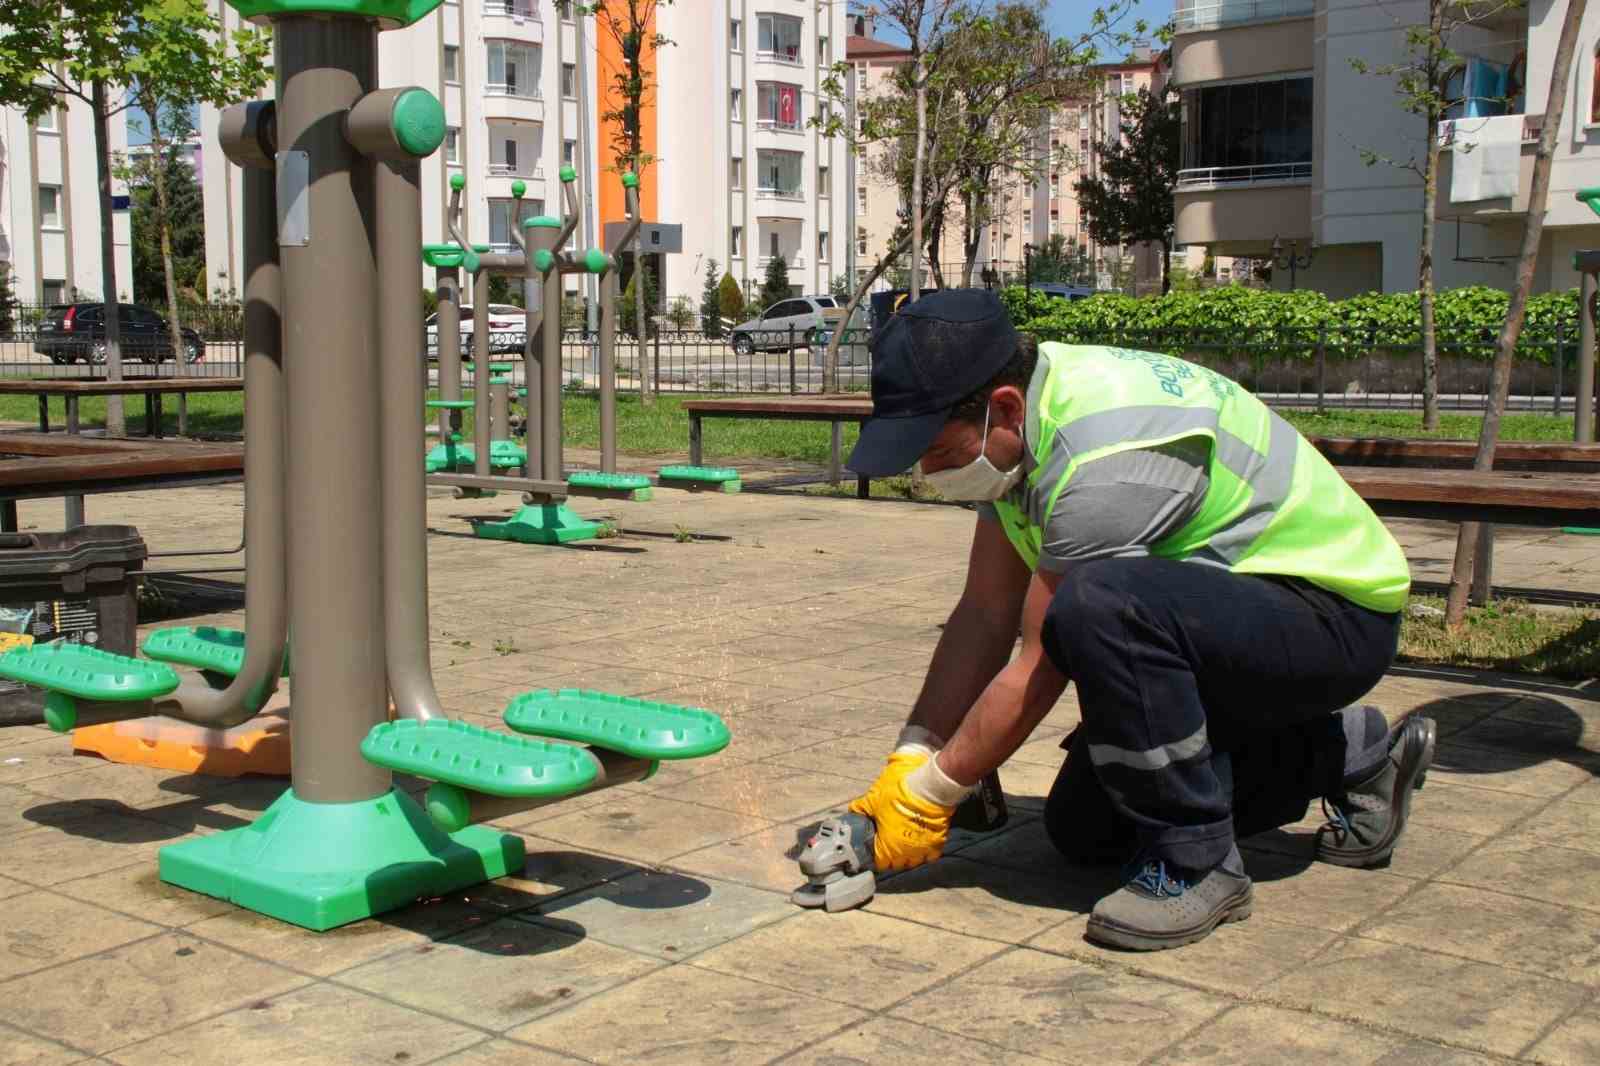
(652, 922)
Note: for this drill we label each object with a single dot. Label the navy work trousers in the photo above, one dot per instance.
(1210, 705)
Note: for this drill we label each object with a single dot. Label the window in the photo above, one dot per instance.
(569, 81)
(452, 144)
(822, 51)
(861, 240)
(50, 206)
(569, 153)
(774, 249)
(1055, 182)
(778, 173)
(822, 245)
(861, 125)
(734, 35)
(736, 104)
(824, 187)
(1249, 132)
(736, 242)
(777, 105)
(513, 69)
(55, 291)
(778, 37)
(47, 121)
(861, 197)
(452, 64)
(500, 219)
(565, 9)
(1027, 219)
(736, 172)
(511, 156)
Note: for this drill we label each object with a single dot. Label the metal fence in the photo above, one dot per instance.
(213, 345)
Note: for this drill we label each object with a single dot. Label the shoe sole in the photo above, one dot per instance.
(1234, 909)
(1419, 738)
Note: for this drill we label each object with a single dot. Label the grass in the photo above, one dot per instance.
(900, 487)
(1508, 635)
(1409, 424)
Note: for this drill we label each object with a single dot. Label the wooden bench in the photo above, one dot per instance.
(74, 389)
(835, 410)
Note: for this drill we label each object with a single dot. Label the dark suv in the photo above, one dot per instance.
(77, 333)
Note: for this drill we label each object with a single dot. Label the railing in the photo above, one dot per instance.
(525, 92)
(516, 170)
(522, 9)
(788, 56)
(221, 348)
(1451, 128)
(1258, 174)
(794, 262)
(765, 193)
(1210, 15)
(777, 124)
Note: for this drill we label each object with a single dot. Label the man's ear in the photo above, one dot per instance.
(1008, 406)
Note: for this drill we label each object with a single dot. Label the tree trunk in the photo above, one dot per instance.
(971, 237)
(1166, 265)
(1527, 260)
(116, 422)
(935, 246)
(830, 361)
(158, 153)
(1430, 202)
(916, 162)
(647, 375)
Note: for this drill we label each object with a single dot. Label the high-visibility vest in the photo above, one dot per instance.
(1274, 504)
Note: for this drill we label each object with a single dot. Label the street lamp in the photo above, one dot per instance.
(1292, 261)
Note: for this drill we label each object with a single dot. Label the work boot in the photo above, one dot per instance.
(1160, 908)
(1366, 821)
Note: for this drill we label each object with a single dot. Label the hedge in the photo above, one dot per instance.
(1270, 324)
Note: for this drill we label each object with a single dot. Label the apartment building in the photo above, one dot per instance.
(50, 206)
(1276, 121)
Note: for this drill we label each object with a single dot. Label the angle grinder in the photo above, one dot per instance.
(837, 860)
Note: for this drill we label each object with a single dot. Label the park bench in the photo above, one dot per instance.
(835, 410)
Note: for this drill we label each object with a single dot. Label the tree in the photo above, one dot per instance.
(8, 303)
(730, 300)
(631, 26)
(169, 231)
(775, 286)
(1057, 260)
(1422, 84)
(105, 53)
(1130, 201)
(839, 287)
(711, 302)
(632, 300)
(1527, 260)
(681, 312)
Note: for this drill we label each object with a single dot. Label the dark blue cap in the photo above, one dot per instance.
(928, 357)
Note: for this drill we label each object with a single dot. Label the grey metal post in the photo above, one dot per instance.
(481, 415)
(73, 504)
(449, 341)
(500, 411)
(1559, 358)
(544, 417)
(1322, 367)
(1583, 414)
(325, 64)
(606, 309)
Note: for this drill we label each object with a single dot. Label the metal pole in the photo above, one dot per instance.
(73, 504)
(325, 63)
(1583, 401)
(607, 311)
(1322, 367)
(1559, 357)
(482, 441)
(449, 344)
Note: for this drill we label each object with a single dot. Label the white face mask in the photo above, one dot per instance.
(979, 479)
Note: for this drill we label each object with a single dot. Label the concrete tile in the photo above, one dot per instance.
(690, 1016)
(720, 696)
(983, 901)
(1487, 1008)
(764, 859)
(137, 890)
(1575, 1042)
(1564, 876)
(840, 714)
(860, 762)
(22, 810)
(1319, 896)
(1062, 1009)
(321, 1024)
(1418, 855)
(42, 930)
(870, 961)
(762, 790)
(143, 989)
(1253, 1034)
(501, 974)
(9, 888)
(45, 757)
(808, 675)
(552, 870)
(345, 946)
(1570, 822)
(647, 828)
(1027, 784)
(890, 1042)
(506, 1053)
(1464, 809)
(123, 787)
(47, 857)
(665, 914)
(1507, 931)
(21, 1049)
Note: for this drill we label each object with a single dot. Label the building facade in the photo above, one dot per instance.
(1279, 125)
(50, 206)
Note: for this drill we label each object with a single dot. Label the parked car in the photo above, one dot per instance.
(77, 333)
(798, 316)
(1063, 292)
(853, 347)
(507, 327)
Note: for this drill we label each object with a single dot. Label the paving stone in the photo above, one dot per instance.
(981, 901)
(1248, 1035)
(1517, 865)
(1062, 1009)
(138, 891)
(506, 1053)
(890, 1042)
(1462, 808)
(501, 974)
(1487, 1007)
(764, 859)
(322, 1024)
(1317, 895)
(763, 790)
(22, 1049)
(691, 1016)
(551, 871)
(1575, 1042)
(647, 828)
(45, 857)
(42, 929)
(668, 915)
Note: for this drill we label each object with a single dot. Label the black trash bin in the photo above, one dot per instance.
(80, 585)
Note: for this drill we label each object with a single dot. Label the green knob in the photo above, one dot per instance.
(568, 174)
(60, 712)
(418, 120)
(449, 807)
(544, 261)
(518, 187)
(630, 180)
(596, 262)
(458, 181)
(541, 222)
(469, 260)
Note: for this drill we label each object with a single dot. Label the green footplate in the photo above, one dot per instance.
(449, 405)
(320, 865)
(631, 486)
(723, 478)
(546, 523)
(470, 756)
(214, 648)
(641, 728)
(87, 673)
(503, 455)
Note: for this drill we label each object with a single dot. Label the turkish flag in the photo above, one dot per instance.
(788, 105)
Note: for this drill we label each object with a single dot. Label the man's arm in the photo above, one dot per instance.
(1015, 701)
(978, 637)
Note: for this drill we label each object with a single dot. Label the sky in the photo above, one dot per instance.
(1069, 18)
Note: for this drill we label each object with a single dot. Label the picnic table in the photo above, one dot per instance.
(835, 410)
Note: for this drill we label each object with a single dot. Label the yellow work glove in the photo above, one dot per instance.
(911, 804)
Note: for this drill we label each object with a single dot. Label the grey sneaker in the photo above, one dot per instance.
(1156, 910)
(1365, 823)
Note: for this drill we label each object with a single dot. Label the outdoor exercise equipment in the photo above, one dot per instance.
(1588, 266)
(332, 300)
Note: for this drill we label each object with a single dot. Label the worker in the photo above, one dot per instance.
(1219, 595)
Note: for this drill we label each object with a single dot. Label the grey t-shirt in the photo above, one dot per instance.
(1116, 506)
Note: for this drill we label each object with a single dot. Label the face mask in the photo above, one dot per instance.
(979, 479)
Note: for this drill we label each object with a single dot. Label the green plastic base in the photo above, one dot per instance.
(1582, 531)
(546, 523)
(503, 455)
(321, 865)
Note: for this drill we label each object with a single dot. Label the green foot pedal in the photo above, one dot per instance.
(641, 728)
(215, 649)
(634, 487)
(696, 478)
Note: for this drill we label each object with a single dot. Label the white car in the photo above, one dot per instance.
(507, 327)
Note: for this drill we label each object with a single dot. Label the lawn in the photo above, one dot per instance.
(1507, 635)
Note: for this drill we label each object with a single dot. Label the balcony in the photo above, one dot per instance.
(517, 9)
(1560, 211)
(1234, 177)
(1194, 15)
(1241, 217)
(794, 262)
(515, 102)
(515, 20)
(780, 203)
(526, 171)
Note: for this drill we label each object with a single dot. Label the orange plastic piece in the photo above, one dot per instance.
(261, 746)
